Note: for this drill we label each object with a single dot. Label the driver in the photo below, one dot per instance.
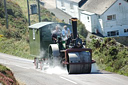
(55, 33)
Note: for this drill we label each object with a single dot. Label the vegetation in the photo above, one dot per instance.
(6, 76)
(82, 30)
(110, 55)
(123, 40)
(14, 40)
(18, 48)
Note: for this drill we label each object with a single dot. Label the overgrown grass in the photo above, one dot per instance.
(15, 38)
(15, 47)
(110, 55)
(3, 68)
(23, 6)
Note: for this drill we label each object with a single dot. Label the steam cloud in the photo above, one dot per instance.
(55, 68)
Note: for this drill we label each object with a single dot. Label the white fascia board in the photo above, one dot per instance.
(88, 13)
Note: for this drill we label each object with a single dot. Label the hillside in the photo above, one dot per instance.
(16, 19)
(109, 54)
(6, 76)
(12, 37)
(16, 35)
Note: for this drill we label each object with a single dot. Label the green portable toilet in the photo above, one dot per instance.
(40, 36)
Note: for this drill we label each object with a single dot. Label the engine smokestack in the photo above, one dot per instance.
(74, 27)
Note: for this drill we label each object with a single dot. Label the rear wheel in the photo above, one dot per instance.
(53, 54)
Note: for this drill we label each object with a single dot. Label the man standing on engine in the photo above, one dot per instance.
(65, 32)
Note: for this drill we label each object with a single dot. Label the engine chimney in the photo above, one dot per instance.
(74, 27)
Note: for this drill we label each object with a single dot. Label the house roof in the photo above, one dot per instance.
(40, 24)
(97, 6)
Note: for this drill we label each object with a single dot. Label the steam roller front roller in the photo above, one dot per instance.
(79, 62)
(53, 53)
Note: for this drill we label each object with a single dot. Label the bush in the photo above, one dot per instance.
(11, 33)
(124, 70)
(52, 14)
(81, 29)
(113, 51)
(110, 56)
(112, 42)
(96, 43)
(107, 39)
(92, 36)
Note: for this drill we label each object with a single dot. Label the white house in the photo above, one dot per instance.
(70, 7)
(108, 17)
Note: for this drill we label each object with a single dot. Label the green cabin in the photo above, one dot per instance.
(40, 36)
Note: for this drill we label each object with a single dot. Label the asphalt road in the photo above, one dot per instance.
(51, 6)
(24, 71)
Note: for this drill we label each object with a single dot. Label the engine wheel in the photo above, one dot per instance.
(78, 57)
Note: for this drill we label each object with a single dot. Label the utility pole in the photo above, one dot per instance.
(28, 13)
(39, 10)
(6, 15)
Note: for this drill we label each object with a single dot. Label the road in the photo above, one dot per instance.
(51, 6)
(24, 71)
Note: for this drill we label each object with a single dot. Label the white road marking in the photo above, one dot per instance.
(68, 80)
(22, 59)
(15, 65)
(14, 57)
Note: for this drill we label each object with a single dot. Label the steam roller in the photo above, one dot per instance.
(71, 53)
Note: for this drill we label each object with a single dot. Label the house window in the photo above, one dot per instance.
(62, 3)
(125, 30)
(126, 0)
(88, 17)
(109, 33)
(113, 33)
(111, 17)
(71, 6)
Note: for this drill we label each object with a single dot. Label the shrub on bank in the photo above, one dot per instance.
(109, 55)
(6, 76)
